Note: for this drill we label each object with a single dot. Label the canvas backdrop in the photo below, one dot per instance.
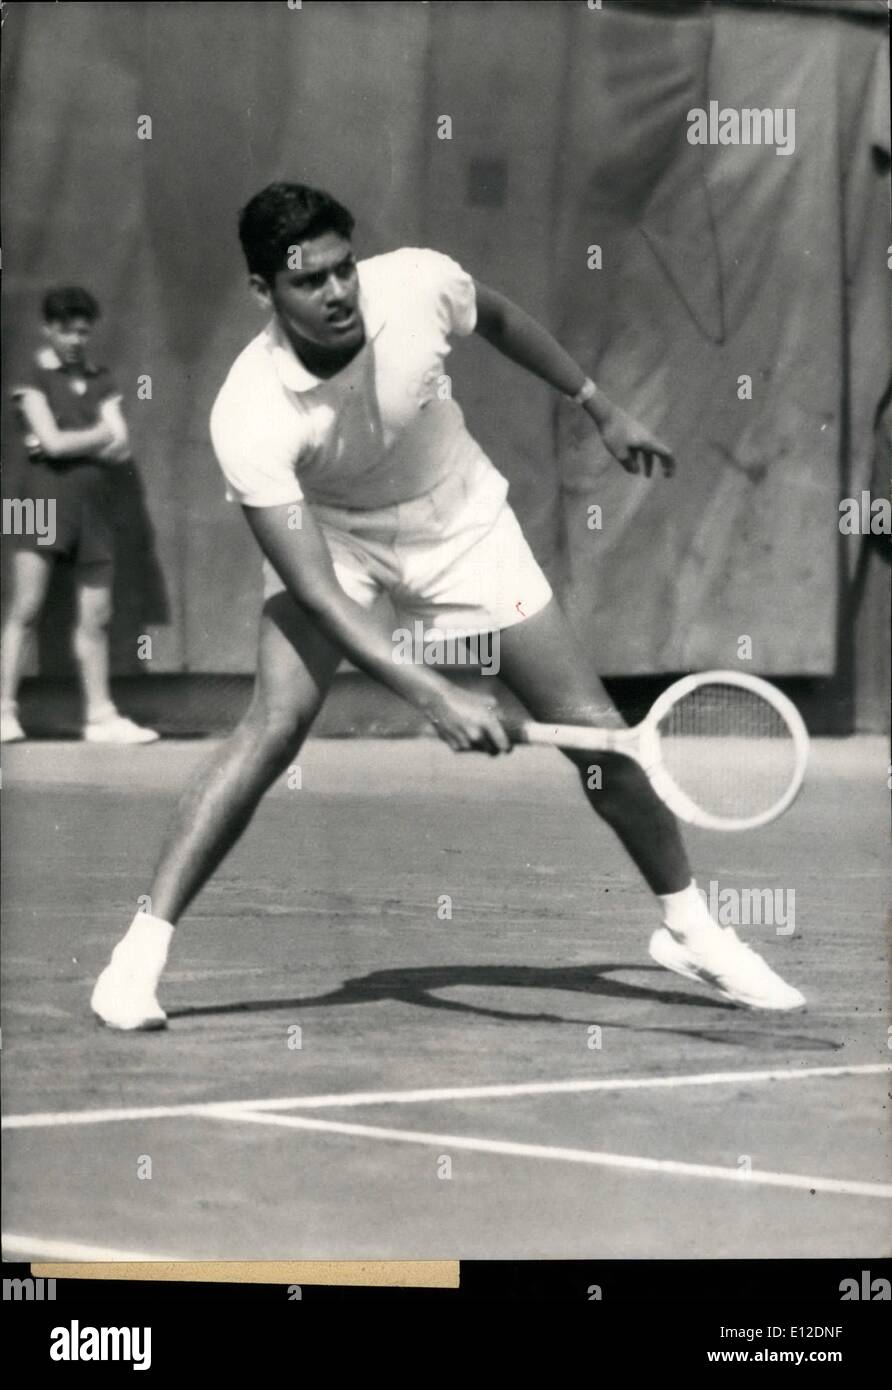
(569, 129)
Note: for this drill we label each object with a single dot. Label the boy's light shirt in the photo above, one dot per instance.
(384, 429)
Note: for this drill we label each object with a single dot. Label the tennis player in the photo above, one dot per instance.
(74, 431)
(367, 495)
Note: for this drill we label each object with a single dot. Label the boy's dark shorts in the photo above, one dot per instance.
(82, 530)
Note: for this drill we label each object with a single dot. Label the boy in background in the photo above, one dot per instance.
(74, 429)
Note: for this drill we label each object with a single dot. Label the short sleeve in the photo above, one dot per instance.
(257, 458)
(28, 381)
(28, 385)
(455, 291)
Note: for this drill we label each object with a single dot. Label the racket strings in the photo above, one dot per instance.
(728, 749)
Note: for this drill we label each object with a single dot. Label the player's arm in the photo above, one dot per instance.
(118, 450)
(302, 561)
(56, 443)
(521, 338)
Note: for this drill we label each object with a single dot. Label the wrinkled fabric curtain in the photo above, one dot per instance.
(718, 262)
(742, 308)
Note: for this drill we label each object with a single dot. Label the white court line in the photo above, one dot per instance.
(36, 1248)
(50, 1119)
(629, 1162)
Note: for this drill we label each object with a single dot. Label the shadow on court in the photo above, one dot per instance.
(418, 987)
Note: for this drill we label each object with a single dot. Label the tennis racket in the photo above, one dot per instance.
(723, 750)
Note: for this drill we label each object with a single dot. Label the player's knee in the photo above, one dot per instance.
(278, 733)
(592, 765)
(608, 778)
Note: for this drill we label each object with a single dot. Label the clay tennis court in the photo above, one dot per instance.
(450, 1095)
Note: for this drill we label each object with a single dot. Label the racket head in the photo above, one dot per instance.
(725, 750)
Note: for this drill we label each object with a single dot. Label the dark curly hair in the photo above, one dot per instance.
(69, 302)
(283, 214)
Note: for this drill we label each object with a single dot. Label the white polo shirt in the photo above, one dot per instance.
(376, 433)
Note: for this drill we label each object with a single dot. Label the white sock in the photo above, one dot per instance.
(145, 945)
(685, 913)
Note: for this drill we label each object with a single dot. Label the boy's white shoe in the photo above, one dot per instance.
(11, 730)
(125, 994)
(719, 958)
(116, 728)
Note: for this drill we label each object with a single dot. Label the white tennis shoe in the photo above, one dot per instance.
(118, 729)
(719, 958)
(124, 997)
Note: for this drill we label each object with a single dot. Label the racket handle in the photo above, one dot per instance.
(580, 736)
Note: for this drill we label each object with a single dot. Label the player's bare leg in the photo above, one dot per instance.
(296, 664)
(32, 572)
(543, 664)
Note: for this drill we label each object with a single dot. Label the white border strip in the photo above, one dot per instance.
(51, 1119)
(36, 1248)
(628, 1162)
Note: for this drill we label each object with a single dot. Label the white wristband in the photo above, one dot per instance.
(585, 392)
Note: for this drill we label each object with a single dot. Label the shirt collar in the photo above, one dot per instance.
(49, 359)
(289, 368)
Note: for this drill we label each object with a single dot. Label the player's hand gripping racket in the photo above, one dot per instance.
(723, 750)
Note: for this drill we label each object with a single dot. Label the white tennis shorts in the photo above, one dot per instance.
(455, 558)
